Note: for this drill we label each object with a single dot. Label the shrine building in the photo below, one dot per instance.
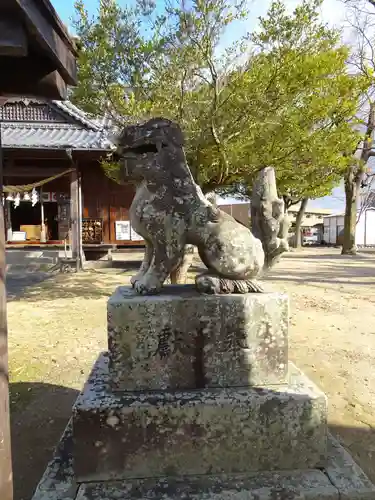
(53, 177)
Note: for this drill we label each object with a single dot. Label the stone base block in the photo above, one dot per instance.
(155, 434)
(341, 479)
(293, 485)
(181, 339)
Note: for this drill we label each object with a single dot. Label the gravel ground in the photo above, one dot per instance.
(57, 327)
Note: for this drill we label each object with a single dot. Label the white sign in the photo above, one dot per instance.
(49, 196)
(122, 230)
(135, 236)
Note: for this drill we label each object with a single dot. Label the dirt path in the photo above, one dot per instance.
(58, 327)
(332, 339)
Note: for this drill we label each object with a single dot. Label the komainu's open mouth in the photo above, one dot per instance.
(139, 150)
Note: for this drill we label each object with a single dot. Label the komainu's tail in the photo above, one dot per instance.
(212, 284)
(269, 222)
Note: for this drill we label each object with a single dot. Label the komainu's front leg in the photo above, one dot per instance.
(166, 258)
(147, 259)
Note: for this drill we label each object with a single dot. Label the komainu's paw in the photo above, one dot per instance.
(207, 283)
(147, 285)
(135, 278)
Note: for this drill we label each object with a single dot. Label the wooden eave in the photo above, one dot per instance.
(34, 163)
(37, 56)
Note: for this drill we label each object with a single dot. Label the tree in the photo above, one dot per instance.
(355, 3)
(367, 195)
(178, 72)
(263, 102)
(362, 23)
(300, 125)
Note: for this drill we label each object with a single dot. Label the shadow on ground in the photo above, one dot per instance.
(89, 284)
(19, 281)
(324, 254)
(39, 414)
(332, 274)
(360, 443)
(98, 283)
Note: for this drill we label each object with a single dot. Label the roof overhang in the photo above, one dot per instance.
(37, 56)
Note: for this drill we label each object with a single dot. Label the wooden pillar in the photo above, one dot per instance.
(80, 213)
(76, 217)
(43, 237)
(8, 221)
(6, 480)
(74, 226)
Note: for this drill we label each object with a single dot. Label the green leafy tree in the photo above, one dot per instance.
(281, 97)
(178, 72)
(301, 124)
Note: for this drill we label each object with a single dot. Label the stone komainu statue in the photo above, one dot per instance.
(171, 213)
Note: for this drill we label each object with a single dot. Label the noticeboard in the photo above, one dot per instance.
(122, 230)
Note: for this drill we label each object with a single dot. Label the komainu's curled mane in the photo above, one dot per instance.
(170, 211)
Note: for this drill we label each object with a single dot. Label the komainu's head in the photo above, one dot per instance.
(153, 149)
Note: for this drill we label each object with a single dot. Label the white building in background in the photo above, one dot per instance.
(311, 218)
(365, 229)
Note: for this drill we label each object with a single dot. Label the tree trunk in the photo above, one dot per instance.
(297, 242)
(352, 186)
(353, 179)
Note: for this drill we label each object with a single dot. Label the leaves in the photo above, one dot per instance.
(280, 97)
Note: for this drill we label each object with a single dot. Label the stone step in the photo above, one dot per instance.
(341, 479)
(293, 485)
(209, 431)
(181, 339)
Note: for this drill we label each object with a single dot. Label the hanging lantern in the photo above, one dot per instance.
(34, 197)
(10, 197)
(17, 200)
(26, 197)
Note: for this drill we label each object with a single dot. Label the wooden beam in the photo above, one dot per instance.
(31, 76)
(50, 41)
(6, 485)
(33, 172)
(6, 479)
(13, 38)
(55, 20)
(29, 156)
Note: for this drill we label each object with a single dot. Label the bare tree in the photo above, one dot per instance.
(361, 5)
(367, 195)
(362, 26)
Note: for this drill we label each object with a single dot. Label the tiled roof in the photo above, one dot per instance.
(31, 123)
(77, 114)
(52, 136)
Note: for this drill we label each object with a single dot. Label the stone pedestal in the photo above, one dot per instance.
(211, 431)
(197, 384)
(196, 398)
(184, 340)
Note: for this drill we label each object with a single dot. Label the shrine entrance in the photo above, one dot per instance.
(37, 212)
(27, 220)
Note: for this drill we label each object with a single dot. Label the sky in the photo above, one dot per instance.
(332, 12)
